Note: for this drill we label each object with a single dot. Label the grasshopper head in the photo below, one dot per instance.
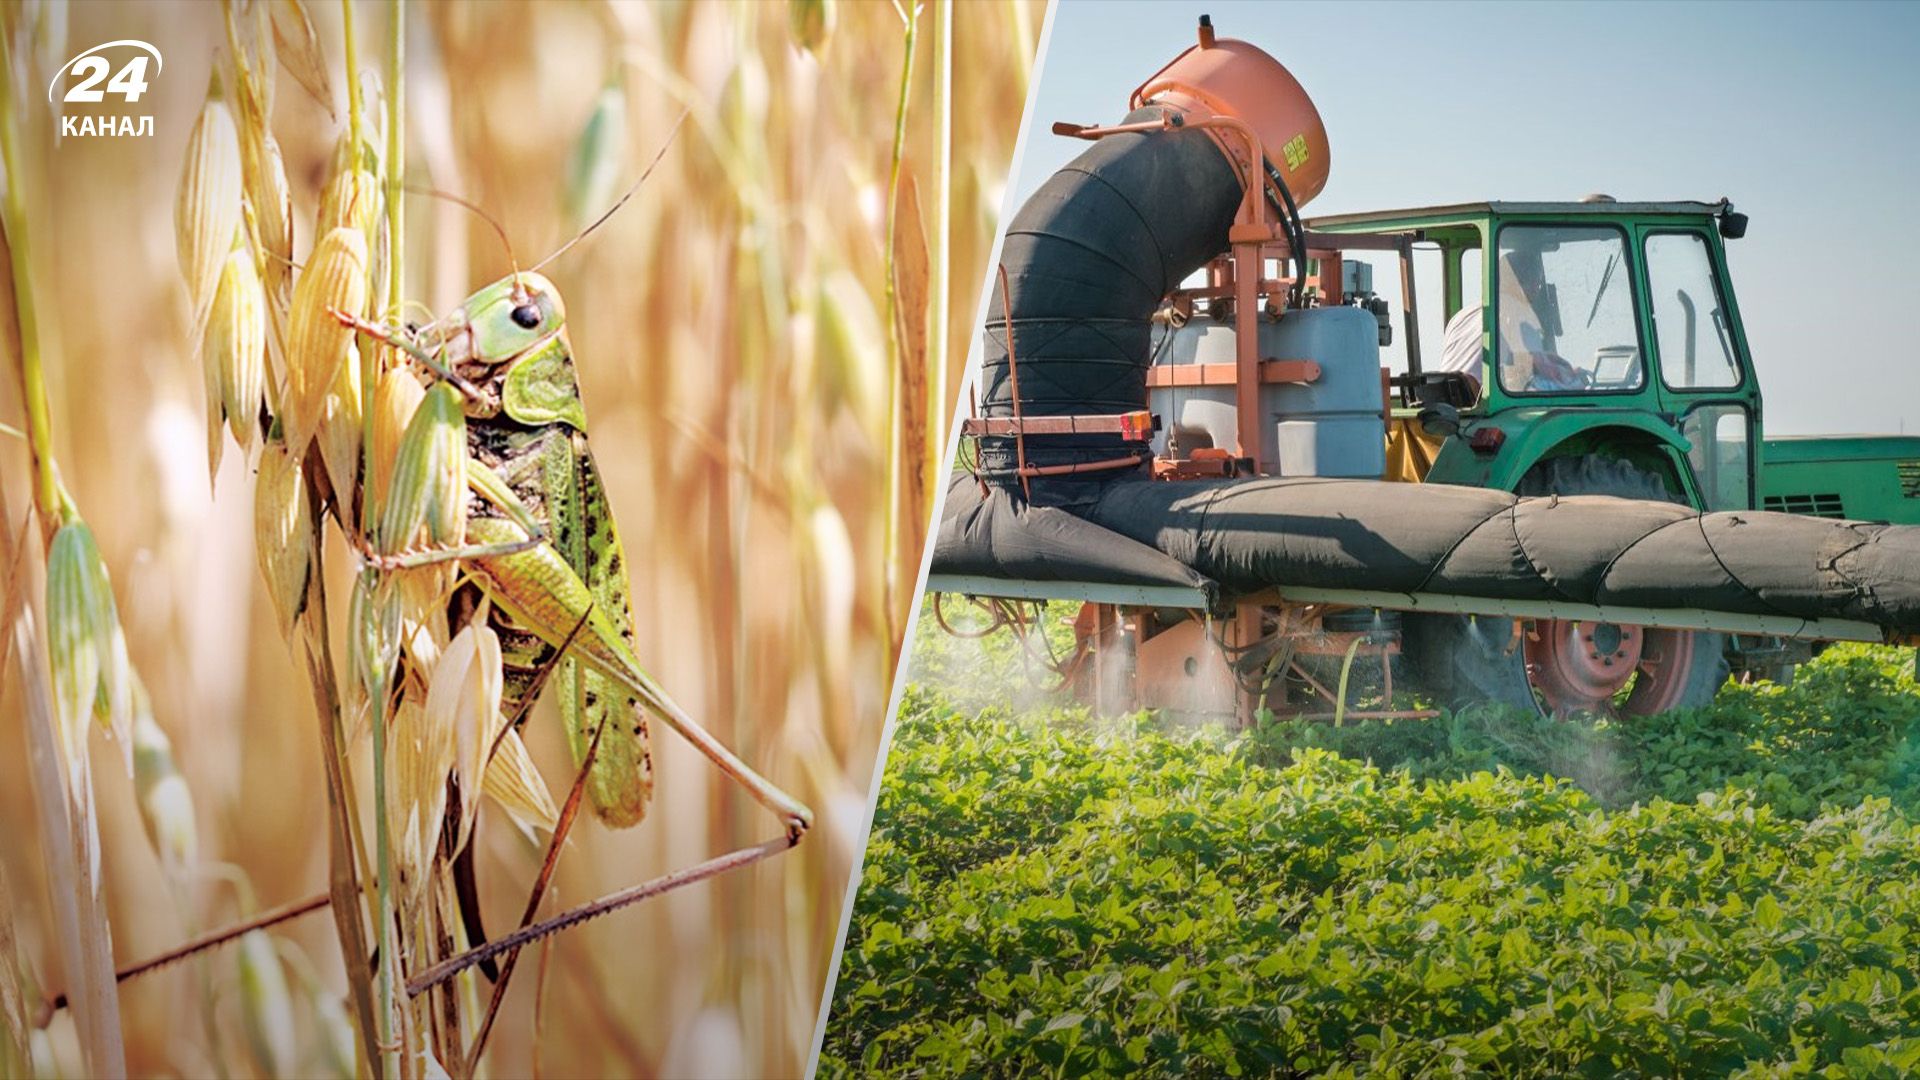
(510, 316)
(506, 342)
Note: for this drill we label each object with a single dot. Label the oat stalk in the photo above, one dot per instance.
(895, 346)
(389, 1032)
(938, 405)
(69, 830)
(26, 315)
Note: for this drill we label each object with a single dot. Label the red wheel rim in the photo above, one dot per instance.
(1577, 666)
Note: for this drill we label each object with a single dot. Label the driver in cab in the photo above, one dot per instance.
(1525, 363)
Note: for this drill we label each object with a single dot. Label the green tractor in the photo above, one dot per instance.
(1599, 350)
(1185, 424)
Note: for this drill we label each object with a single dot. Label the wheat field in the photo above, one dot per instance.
(766, 375)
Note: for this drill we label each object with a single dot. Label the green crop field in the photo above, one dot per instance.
(1729, 891)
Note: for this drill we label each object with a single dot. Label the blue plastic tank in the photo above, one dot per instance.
(1333, 426)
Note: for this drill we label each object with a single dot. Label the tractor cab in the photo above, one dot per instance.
(1563, 328)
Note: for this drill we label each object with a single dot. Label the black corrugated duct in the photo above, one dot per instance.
(1088, 258)
(1241, 536)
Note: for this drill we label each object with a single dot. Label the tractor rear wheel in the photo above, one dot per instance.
(1561, 666)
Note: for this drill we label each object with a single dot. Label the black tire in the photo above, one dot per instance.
(1705, 675)
(1468, 659)
(1463, 660)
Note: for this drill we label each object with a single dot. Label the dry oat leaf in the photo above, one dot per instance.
(515, 783)
(16, 1056)
(463, 709)
(16, 582)
(69, 839)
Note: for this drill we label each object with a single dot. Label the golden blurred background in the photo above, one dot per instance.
(749, 410)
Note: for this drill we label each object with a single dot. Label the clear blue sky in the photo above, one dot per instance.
(1806, 115)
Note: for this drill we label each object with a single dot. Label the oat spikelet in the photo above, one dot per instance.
(300, 50)
(395, 400)
(354, 198)
(340, 427)
(206, 213)
(598, 158)
(266, 1005)
(422, 592)
(811, 22)
(317, 344)
(87, 650)
(216, 409)
(427, 496)
(235, 350)
(166, 803)
(76, 637)
(373, 636)
(352, 195)
(272, 202)
(283, 533)
(418, 761)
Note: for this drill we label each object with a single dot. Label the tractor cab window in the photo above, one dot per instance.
(1690, 325)
(1564, 310)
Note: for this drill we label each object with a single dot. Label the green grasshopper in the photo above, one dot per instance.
(542, 547)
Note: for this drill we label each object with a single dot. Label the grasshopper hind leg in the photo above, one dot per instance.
(620, 783)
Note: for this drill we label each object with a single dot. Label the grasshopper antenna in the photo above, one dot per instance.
(622, 201)
(498, 229)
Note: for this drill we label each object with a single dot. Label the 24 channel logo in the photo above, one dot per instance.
(128, 82)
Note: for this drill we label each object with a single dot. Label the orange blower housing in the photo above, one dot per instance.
(1229, 77)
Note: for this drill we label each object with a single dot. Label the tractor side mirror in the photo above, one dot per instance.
(1733, 225)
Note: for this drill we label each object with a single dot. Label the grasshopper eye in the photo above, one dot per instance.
(526, 316)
